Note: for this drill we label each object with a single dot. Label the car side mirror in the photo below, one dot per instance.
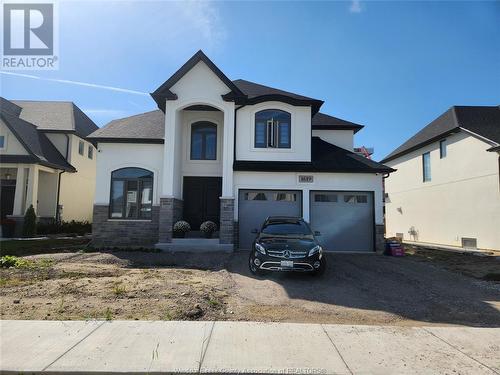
(317, 233)
(255, 231)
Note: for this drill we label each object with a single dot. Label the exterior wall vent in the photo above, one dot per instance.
(469, 243)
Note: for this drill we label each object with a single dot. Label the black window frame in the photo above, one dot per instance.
(139, 214)
(3, 145)
(272, 130)
(81, 147)
(198, 126)
(90, 152)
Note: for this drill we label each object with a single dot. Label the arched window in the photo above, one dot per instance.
(203, 141)
(131, 194)
(272, 129)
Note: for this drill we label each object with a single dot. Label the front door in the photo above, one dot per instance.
(201, 197)
(8, 191)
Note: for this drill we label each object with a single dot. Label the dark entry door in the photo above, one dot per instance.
(201, 200)
(7, 199)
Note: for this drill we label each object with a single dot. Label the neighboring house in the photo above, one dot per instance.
(446, 190)
(233, 152)
(46, 160)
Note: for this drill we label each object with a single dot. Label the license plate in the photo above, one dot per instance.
(287, 263)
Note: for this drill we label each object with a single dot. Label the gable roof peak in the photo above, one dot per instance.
(163, 93)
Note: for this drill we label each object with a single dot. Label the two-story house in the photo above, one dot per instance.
(46, 160)
(446, 190)
(233, 152)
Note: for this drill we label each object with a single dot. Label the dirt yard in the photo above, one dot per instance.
(356, 289)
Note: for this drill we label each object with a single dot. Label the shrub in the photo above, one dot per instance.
(181, 228)
(208, 228)
(8, 261)
(29, 226)
(72, 227)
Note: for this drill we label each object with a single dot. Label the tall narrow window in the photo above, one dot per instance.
(442, 149)
(2, 141)
(426, 166)
(90, 152)
(203, 141)
(272, 129)
(131, 194)
(81, 147)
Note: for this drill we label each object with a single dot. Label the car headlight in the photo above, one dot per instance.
(316, 249)
(260, 248)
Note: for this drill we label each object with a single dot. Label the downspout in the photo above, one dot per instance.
(58, 213)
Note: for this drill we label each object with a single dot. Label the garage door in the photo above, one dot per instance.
(344, 218)
(255, 205)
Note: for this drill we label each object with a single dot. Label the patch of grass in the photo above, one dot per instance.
(119, 290)
(45, 246)
(61, 307)
(108, 315)
(168, 315)
(8, 261)
(7, 282)
(214, 302)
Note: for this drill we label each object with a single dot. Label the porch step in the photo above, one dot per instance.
(194, 245)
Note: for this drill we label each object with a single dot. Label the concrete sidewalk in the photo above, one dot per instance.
(154, 347)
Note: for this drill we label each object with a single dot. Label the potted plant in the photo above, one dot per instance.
(181, 228)
(208, 228)
(8, 226)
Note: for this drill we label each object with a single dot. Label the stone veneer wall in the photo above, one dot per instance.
(170, 212)
(379, 238)
(226, 230)
(115, 232)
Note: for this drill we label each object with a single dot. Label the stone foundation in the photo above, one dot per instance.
(170, 212)
(123, 233)
(379, 238)
(227, 223)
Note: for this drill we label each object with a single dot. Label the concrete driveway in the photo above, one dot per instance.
(367, 289)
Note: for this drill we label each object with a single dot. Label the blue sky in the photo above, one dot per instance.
(392, 66)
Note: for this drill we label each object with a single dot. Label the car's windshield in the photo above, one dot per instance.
(286, 227)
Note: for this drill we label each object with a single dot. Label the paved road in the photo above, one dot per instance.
(153, 347)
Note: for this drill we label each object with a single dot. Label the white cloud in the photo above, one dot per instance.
(78, 83)
(355, 6)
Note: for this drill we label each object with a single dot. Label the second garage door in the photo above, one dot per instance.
(255, 205)
(344, 218)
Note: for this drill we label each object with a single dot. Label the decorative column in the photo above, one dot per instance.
(19, 194)
(227, 224)
(32, 195)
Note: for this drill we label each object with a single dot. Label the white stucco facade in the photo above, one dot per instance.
(113, 156)
(300, 131)
(462, 200)
(341, 138)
